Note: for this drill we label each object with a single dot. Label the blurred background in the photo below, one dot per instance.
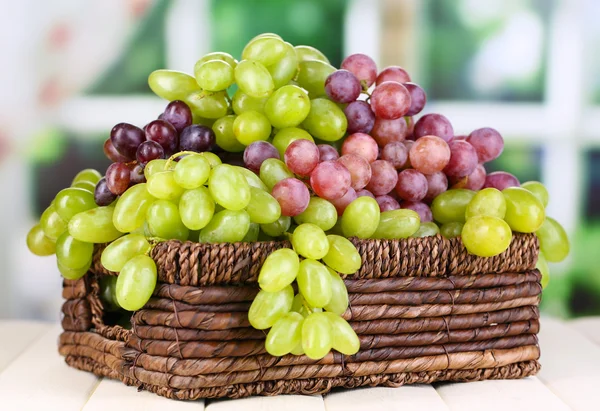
(528, 68)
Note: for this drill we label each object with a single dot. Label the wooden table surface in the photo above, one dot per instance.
(34, 377)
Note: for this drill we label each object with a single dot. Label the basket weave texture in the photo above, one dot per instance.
(424, 310)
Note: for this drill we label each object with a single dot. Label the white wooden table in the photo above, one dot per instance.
(34, 377)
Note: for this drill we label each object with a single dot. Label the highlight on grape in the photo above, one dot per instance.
(297, 150)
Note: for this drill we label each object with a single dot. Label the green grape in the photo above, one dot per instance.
(314, 282)
(252, 234)
(210, 105)
(196, 208)
(298, 304)
(396, 224)
(286, 68)
(52, 224)
(451, 205)
(123, 249)
(316, 336)
(263, 207)
(287, 107)
(325, 120)
(217, 55)
(212, 158)
(253, 79)
(191, 172)
(108, 289)
(277, 228)
(339, 294)
(165, 222)
(307, 53)
(197, 119)
(319, 212)
(172, 85)
(224, 136)
(312, 75)
(273, 171)
(214, 75)
(267, 35)
(89, 174)
(251, 126)
(252, 179)
(285, 335)
(452, 229)
(157, 166)
(542, 266)
(279, 270)
(95, 226)
(554, 242)
(343, 256)
(162, 185)
(298, 350)
(73, 273)
(38, 243)
(85, 185)
(226, 226)
(343, 337)
(267, 307)
(265, 50)
(136, 283)
(229, 188)
(73, 253)
(130, 211)
(287, 136)
(310, 241)
(486, 236)
(537, 189)
(428, 229)
(524, 212)
(71, 201)
(361, 218)
(242, 102)
(488, 201)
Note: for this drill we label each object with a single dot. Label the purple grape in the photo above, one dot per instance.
(117, 178)
(387, 131)
(257, 152)
(437, 183)
(102, 195)
(327, 153)
(136, 176)
(364, 193)
(396, 153)
(197, 138)
(390, 100)
(342, 86)
(126, 138)
(164, 134)
(434, 125)
(487, 142)
(463, 159)
(393, 73)
(112, 154)
(412, 185)
(148, 151)
(501, 180)
(387, 203)
(420, 208)
(418, 98)
(178, 114)
(301, 157)
(362, 66)
(360, 117)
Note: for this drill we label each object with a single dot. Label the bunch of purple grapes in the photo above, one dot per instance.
(130, 148)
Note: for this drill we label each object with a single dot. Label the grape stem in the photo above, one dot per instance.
(174, 156)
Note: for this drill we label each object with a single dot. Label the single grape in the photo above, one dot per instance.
(162, 185)
(388, 131)
(396, 224)
(251, 178)
(125, 139)
(429, 229)
(252, 234)
(501, 180)
(327, 152)
(279, 270)
(257, 152)
(312, 75)
(487, 142)
(196, 208)
(164, 221)
(325, 120)
(117, 178)
(463, 159)
(362, 66)
(342, 255)
(253, 79)
(488, 201)
(359, 168)
(136, 175)
(285, 334)
(196, 138)
(273, 171)
(554, 242)
(361, 118)
(393, 73)
(73, 273)
(136, 282)
(164, 134)
(316, 336)
(451, 205)
(266, 50)
(314, 282)
(330, 180)
(226, 226)
(361, 218)
(71, 201)
(476, 179)
(286, 68)
(396, 153)
(343, 337)
(130, 211)
(306, 53)
(178, 114)
(212, 158)
(172, 85)
(383, 177)
(251, 126)
(486, 236)
(418, 98)
(538, 190)
(123, 249)
(342, 86)
(228, 187)
(292, 195)
(38, 243)
(361, 144)
(192, 172)
(420, 208)
(310, 241)
(267, 307)
(242, 102)
(411, 186)
(524, 212)
(148, 151)
(339, 296)
(214, 75)
(319, 212)
(287, 107)
(94, 226)
(452, 229)
(387, 203)
(217, 55)
(88, 175)
(301, 157)
(102, 195)
(208, 105)
(430, 154)
(277, 228)
(286, 136)
(53, 225)
(341, 203)
(390, 100)
(224, 136)
(434, 125)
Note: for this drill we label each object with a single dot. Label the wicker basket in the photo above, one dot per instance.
(424, 310)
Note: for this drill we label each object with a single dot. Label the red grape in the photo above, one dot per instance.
(383, 177)
(164, 134)
(117, 178)
(341, 203)
(178, 114)
(396, 153)
(420, 208)
(476, 179)
(390, 100)
(148, 151)
(327, 152)
(487, 142)
(393, 73)
(301, 157)
(330, 180)
(257, 152)
(418, 98)
(501, 180)
(387, 131)
(293, 196)
(429, 154)
(463, 159)
(360, 117)
(437, 183)
(411, 186)
(102, 195)
(359, 168)
(197, 138)
(112, 154)
(136, 176)
(362, 66)
(361, 144)
(365, 193)
(342, 86)
(126, 138)
(434, 125)
(387, 203)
